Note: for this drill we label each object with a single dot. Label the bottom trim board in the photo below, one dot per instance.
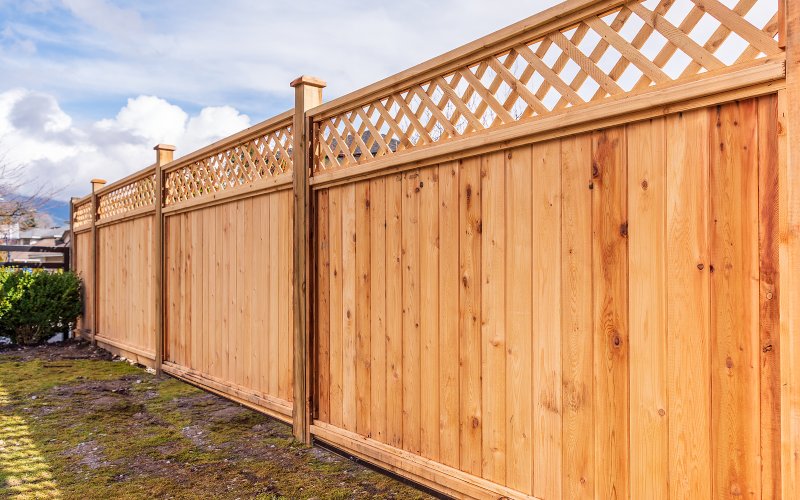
(429, 473)
(119, 349)
(278, 409)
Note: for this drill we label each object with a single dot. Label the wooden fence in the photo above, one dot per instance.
(561, 261)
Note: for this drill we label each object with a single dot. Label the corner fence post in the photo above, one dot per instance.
(789, 216)
(307, 95)
(96, 185)
(164, 155)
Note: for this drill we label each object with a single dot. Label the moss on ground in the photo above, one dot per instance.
(76, 424)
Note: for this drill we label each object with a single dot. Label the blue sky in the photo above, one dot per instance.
(92, 55)
(87, 87)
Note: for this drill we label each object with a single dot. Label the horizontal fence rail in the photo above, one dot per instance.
(560, 261)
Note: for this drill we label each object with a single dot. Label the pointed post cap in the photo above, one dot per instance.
(312, 81)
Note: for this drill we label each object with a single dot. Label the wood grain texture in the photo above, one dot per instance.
(769, 296)
(449, 292)
(493, 315)
(546, 312)
(378, 258)
(688, 305)
(470, 224)
(429, 256)
(647, 261)
(394, 311)
(519, 321)
(410, 243)
(734, 320)
(577, 325)
(363, 351)
(611, 348)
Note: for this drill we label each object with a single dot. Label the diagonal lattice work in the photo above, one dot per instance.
(82, 215)
(263, 156)
(638, 46)
(140, 193)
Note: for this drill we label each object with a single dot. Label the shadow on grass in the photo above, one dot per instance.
(24, 473)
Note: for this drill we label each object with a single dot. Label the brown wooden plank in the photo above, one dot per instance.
(259, 269)
(471, 417)
(227, 290)
(546, 312)
(649, 429)
(349, 307)
(493, 318)
(378, 257)
(449, 286)
(734, 296)
(577, 324)
(274, 294)
(291, 301)
(363, 351)
(394, 311)
(610, 258)
(688, 307)
(322, 314)
(518, 319)
(238, 295)
(219, 266)
(429, 311)
(247, 293)
(335, 235)
(411, 312)
(769, 296)
(283, 296)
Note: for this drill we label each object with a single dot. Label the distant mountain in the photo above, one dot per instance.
(57, 209)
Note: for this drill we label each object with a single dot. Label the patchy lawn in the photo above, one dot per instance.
(76, 424)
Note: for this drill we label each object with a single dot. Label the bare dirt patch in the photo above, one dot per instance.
(103, 428)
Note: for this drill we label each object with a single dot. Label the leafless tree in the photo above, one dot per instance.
(16, 207)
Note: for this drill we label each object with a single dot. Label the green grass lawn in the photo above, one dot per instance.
(76, 424)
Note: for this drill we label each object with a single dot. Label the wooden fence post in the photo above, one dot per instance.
(789, 213)
(96, 185)
(164, 155)
(72, 233)
(308, 94)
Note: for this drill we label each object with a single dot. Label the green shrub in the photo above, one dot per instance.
(34, 306)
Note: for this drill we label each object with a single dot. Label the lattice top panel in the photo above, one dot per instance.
(82, 215)
(638, 46)
(138, 194)
(264, 156)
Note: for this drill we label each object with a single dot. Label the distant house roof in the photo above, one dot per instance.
(38, 233)
(365, 137)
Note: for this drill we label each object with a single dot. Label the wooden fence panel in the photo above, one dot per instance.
(229, 303)
(125, 282)
(82, 247)
(608, 310)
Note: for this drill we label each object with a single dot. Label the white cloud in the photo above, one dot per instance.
(243, 53)
(36, 133)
